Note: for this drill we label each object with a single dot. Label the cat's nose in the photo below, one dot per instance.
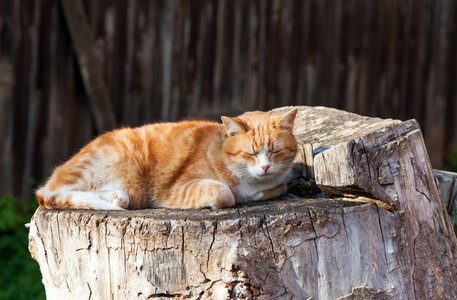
(265, 167)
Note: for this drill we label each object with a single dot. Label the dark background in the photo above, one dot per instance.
(168, 60)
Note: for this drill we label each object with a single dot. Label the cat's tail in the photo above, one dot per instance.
(104, 200)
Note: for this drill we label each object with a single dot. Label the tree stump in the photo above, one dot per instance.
(448, 187)
(382, 234)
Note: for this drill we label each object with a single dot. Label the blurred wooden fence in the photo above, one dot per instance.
(167, 60)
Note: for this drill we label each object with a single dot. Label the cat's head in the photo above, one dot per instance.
(259, 146)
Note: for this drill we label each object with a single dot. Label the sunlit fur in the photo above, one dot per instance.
(189, 164)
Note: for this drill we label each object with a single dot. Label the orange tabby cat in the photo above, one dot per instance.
(179, 165)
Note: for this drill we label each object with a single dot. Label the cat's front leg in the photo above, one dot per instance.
(271, 193)
(117, 197)
(200, 193)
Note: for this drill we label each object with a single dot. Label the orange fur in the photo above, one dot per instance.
(179, 165)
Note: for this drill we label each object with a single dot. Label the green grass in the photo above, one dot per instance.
(20, 274)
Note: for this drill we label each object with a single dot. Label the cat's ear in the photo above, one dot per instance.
(286, 121)
(232, 126)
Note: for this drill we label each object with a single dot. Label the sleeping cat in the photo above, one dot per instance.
(189, 164)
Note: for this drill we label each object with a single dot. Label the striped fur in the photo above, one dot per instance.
(188, 164)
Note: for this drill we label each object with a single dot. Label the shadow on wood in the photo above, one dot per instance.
(322, 248)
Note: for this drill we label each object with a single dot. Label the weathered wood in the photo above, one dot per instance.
(90, 67)
(324, 248)
(6, 78)
(448, 187)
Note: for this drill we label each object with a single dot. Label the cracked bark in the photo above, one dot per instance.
(306, 248)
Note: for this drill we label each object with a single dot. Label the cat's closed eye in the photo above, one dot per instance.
(250, 154)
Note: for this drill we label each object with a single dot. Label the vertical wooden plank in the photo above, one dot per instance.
(353, 51)
(205, 59)
(265, 43)
(150, 77)
(6, 117)
(365, 9)
(166, 36)
(284, 79)
(334, 96)
(451, 109)
(23, 13)
(81, 127)
(304, 62)
(198, 12)
(242, 55)
(328, 34)
(404, 70)
(410, 63)
(252, 86)
(296, 50)
(50, 151)
(220, 53)
(61, 82)
(422, 47)
(236, 65)
(129, 101)
(210, 57)
(436, 94)
(189, 57)
(392, 72)
(186, 57)
(33, 105)
(271, 20)
(8, 40)
(117, 57)
(349, 45)
(140, 61)
(374, 44)
(384, 55)
(45, 65)
(158, 93)
(177, 18)
(317, 36)
(346, 83)
(227, 60)
(91, 72)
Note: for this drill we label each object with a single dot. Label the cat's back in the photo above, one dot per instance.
(178, 134)
(160, 141)
(157, 141)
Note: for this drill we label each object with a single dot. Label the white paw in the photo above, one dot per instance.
(118, 197)
(258, 196)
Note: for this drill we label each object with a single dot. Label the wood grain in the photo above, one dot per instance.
(392, 240)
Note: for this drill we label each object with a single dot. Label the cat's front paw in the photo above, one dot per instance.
(117, 197)
(272, 193)
(258, 196)
(121, 199)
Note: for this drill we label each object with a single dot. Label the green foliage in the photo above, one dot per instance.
(20, 274)
(452, 160)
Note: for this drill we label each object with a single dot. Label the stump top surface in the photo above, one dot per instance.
(270, 207)
(324, 127)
